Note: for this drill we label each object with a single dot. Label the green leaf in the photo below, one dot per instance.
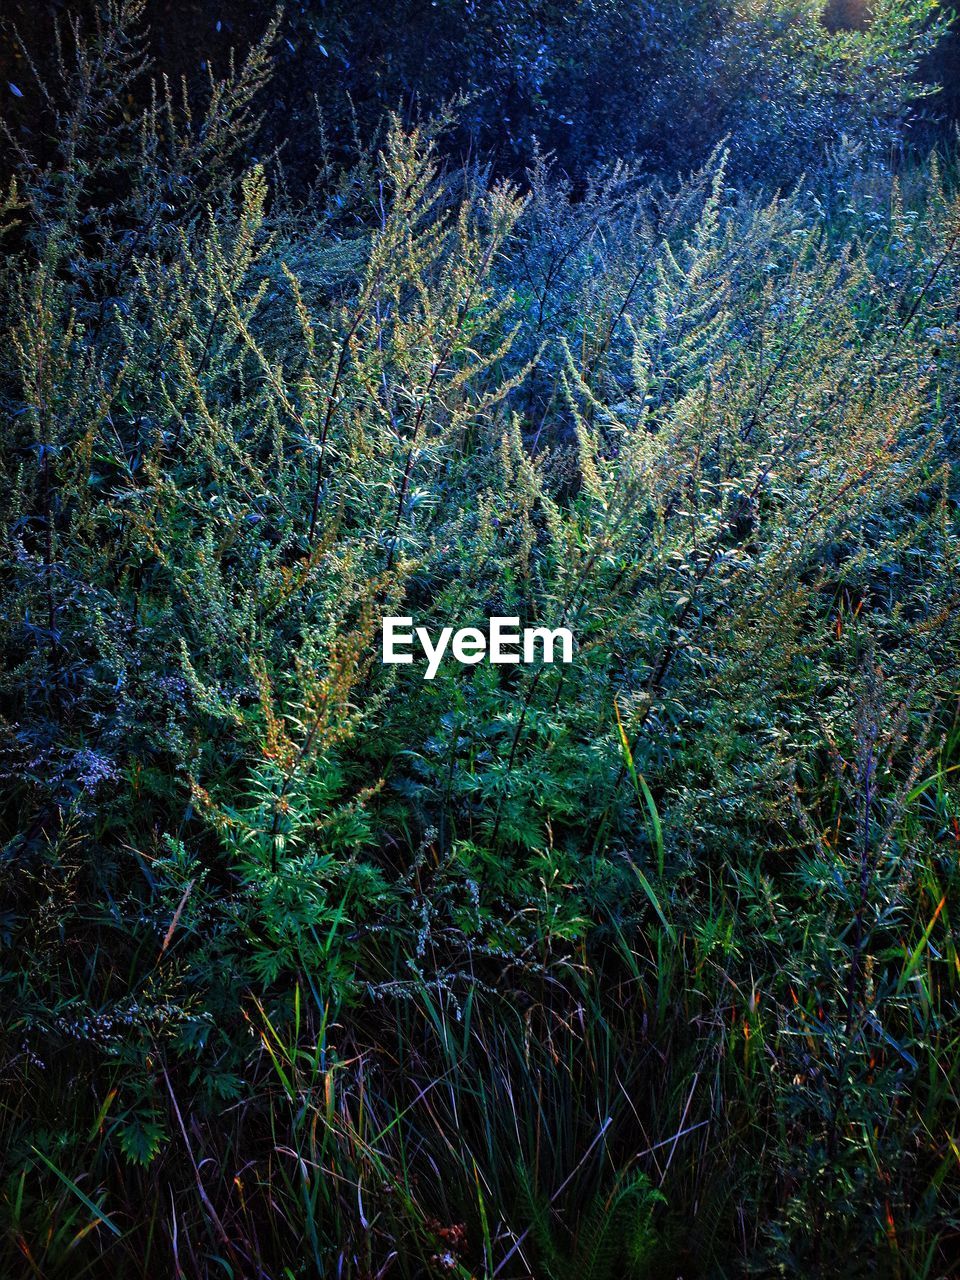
(81, 1195)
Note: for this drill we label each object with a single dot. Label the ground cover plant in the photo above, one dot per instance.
(644, 965)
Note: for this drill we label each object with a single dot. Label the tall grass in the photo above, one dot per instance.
(640, 966)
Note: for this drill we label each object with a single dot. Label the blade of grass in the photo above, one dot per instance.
(81, 1195)
(654, 825)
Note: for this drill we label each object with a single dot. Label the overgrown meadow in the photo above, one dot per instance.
(644, 966)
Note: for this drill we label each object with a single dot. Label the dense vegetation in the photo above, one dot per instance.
(590, 80)
(645, 966)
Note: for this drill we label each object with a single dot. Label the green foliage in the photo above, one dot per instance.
(614, 1235)
(589, 80)
(641, 965)
(600, 79)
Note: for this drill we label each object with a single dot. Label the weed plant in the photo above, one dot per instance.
(644, 966)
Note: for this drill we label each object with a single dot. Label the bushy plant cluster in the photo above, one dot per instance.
(644, 965)
(600, 79)
(590, 80)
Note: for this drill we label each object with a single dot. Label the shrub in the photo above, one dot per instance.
(637, 965)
